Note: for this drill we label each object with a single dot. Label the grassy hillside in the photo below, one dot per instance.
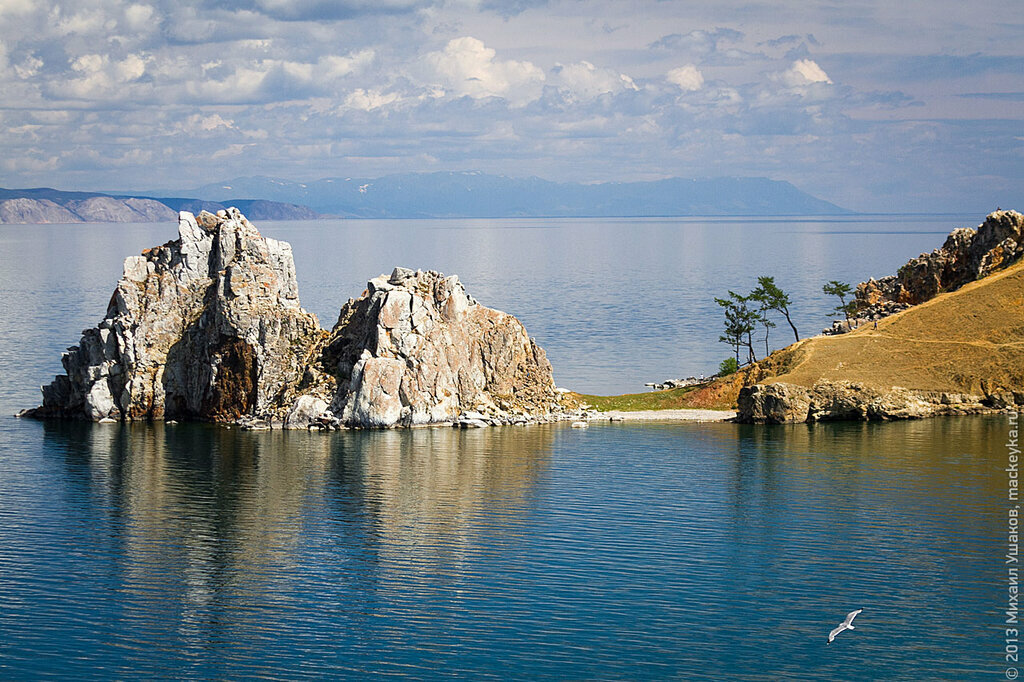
(953, 342)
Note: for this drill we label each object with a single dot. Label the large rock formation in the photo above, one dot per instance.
(415, 348)
(966, 255)
(209, 327)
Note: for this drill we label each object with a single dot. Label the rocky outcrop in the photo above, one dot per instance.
(209, 327)
(415, 349)
(966, 255)
(781, 403)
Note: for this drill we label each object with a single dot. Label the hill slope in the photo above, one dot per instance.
(47, 205)
(958, 353)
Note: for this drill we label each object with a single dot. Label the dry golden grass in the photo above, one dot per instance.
(953, 343)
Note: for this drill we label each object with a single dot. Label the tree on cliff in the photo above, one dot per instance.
(771, 297)
(842, 290)
(740, 322)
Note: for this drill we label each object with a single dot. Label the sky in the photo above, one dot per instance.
(874, 105)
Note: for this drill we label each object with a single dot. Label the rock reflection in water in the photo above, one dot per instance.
(222, 536)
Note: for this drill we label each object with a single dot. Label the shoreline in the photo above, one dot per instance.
(677, 415)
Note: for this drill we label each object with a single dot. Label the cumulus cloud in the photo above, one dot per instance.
(804, 72)
(467, 68)
(585, 81)
(687, 77)
(199, 124)
(334, 66)
(138, 17)
(360, 86)
(97, 75)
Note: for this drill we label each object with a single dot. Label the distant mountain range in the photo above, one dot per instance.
(478, 195)
(45, 205)
(423, 195)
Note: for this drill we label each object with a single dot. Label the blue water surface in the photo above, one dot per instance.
(624, 551)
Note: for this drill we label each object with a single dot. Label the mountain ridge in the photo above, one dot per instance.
(474, 194)
(441, 194)
(42, 205)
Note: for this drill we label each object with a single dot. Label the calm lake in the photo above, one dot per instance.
(647, 551)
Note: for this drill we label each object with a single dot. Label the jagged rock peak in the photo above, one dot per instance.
(415, 348)
(206, 326)
(967, 254)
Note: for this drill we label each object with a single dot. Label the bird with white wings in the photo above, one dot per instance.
(845, 625)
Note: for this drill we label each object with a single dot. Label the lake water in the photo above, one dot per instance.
(651, 551)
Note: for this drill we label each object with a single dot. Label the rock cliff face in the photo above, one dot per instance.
(965, 256)
(415, 348)
(782, 403)
(209, 327)
(111, 210)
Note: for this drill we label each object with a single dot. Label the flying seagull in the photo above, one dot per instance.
(845, 625)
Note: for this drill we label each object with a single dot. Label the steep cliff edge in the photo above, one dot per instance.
(209, 327)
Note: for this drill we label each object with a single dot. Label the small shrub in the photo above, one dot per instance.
(728, 366)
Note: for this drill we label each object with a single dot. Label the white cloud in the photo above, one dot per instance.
(804, 72)
(197, 124)
(368, 100)
(99, 76)
(229, 151)
(16, 7)
(29, 67)
(585, 81)
(687, 77)
(138, 17)
(465, 67)
(334, 66)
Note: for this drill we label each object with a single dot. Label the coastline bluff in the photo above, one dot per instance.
(209, 327)
(954, 348)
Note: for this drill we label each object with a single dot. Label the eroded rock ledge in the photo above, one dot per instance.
(209, 327)
(782, 403)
